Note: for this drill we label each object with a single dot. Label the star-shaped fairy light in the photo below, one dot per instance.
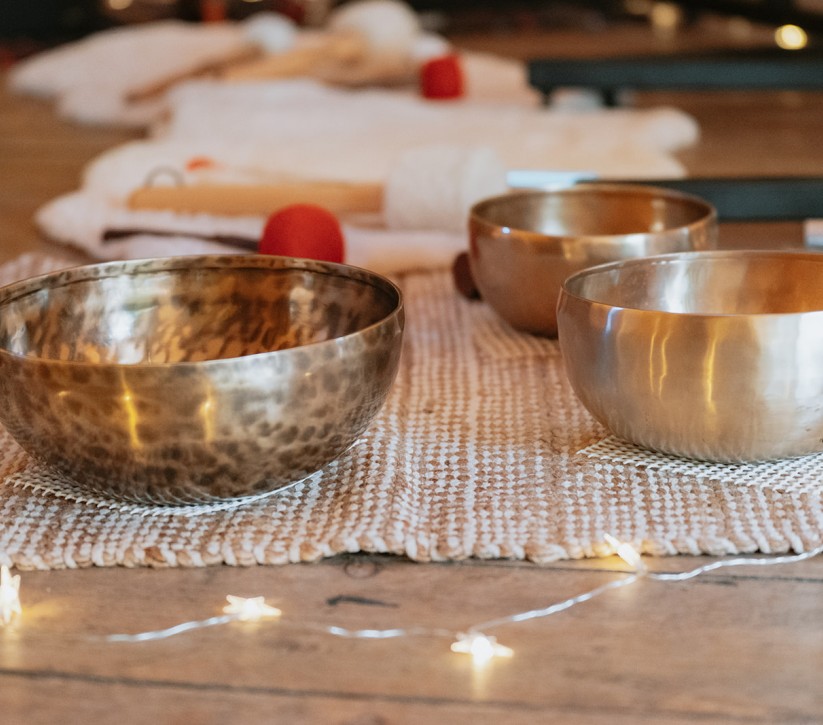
(481, 647)
(627, 552)
(9, 596)
(250, 609)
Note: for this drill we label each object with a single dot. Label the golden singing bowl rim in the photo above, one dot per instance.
(479, 212)
(709, 255)
(135, 268)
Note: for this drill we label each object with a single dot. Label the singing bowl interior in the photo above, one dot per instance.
(709, 355)
(195, 378)
(523, 245)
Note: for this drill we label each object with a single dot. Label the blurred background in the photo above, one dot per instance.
(27, 26)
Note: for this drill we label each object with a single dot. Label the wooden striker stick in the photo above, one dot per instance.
(342, 48)
(258, 199)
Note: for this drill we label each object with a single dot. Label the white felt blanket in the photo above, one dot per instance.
(266, 132)
(271, 131)
(90, 79)
(102, 79)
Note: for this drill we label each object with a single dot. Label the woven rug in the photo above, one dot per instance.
(482, 450)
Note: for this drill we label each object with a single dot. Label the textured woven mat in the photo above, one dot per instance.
(481, 450)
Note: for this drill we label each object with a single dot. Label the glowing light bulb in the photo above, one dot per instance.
(666, 16)
(9, 596)
(249, 610)
(481, 647)
(791, 37)
(627, 552)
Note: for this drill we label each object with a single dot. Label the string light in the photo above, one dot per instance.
(480, 646)
(474, 641)
(627, 552)
(9, 596)
(665, 17)
(791, 37)
(238, 609)
(250, 610)
(771, 561)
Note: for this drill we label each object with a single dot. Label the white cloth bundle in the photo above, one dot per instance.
(92, 79)
(261, 133)
(120, 76)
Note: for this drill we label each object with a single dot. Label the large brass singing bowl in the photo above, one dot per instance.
(195, 379)
(523, 245)
(716, 356)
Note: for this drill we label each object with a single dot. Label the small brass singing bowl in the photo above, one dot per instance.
(714, 356)
(195, 379)
(523, 245)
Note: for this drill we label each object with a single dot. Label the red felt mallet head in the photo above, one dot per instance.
(442, 77)
(303, 230)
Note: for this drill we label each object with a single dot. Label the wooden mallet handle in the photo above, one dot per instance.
(300, 61)
(258, 199)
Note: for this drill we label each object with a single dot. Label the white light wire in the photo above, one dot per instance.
(384, 633)
(172, 631)
(555, 608)
(748, 561)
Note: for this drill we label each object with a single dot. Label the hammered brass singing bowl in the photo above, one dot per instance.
(195, 379)
(716, 356)
(523, 245)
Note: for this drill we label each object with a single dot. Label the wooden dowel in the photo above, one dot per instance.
(259, 199)
(344, 48)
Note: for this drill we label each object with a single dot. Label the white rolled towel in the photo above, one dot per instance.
(433, 187)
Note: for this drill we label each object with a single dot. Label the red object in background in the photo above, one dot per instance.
(442, 78)
(303, 230)
(7, 58)
(213, 11)
(196, 163)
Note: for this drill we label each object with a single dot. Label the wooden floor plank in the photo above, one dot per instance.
(665, 649)
(63, 700)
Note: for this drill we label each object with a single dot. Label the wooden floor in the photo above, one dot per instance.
(742, 645)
